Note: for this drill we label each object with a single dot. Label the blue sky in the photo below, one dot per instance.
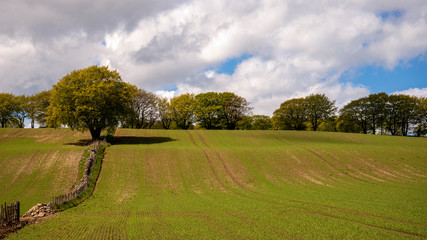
(408, 74)
(283, 48)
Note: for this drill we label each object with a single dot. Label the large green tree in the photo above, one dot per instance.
(357, 112)
(208, 109)
(421, 128)
(261, 122)
(165, 112)
(7, 108)
(42, 102)
(183, 110)
(93, 99)
(145, 110)
(376, 105)
(319, 109)
(292, 114)
(234, 108)
(21, 110)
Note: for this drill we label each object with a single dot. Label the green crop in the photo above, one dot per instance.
(251, 184)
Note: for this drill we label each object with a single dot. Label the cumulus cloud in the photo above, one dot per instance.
(295, 47)
(418, 92)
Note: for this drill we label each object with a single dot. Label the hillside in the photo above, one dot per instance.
(250, 184)
(36, 164)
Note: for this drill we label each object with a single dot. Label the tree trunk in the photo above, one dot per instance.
(95, 133)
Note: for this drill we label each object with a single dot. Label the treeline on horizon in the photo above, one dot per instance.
(378, 113)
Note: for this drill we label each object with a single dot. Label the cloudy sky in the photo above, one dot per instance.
(267, 51)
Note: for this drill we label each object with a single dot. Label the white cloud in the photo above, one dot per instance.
(296, 47)
(418, 92)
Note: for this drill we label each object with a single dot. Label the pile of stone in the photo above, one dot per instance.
(38, 211)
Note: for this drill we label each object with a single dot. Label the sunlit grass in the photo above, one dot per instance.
(251, 184)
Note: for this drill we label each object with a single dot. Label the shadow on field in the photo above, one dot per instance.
(81, 142)
(140, 140)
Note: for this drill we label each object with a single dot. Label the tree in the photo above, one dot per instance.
(165, 112)
(233, 109)
(7, 108)
(401, 112)
(145, 112)
(93, 99)
(292, 114)
(245, 123)
(32, 109)
(376, 105)
(208, 109)
(356, 112)
(183, 110)
(21, 110)
(319, 109)
(407, 112)
(261, 122)
(42, 102)
(421, 128)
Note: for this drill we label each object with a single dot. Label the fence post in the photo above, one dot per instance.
(18, 213)
(2, 214)
(5, 208)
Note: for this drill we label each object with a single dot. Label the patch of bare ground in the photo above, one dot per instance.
(5, 231)
(25, 170)
(313, 178)
(413, 171)
(12, 133)
(36, 214)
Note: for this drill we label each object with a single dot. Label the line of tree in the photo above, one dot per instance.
(395, 114)
(96, 98)
(15, 109)
(303, 113)
(377, 113)
(209, 110)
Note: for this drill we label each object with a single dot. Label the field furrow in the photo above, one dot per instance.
(196, 184)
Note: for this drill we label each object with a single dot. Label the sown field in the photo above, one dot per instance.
(36, 164)
(158, 184)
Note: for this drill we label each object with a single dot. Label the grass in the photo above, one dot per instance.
(92, 182)
(251, 184)
(36, 164)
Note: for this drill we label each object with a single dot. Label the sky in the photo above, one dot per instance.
(267, 51)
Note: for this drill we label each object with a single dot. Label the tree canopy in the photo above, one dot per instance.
(292, 114)
(93, 99)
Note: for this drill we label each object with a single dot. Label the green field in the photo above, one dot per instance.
(158, 184)
(36, 164)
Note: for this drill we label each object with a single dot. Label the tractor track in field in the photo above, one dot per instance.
(159, 216)
(361, 223)
(323, 159)
(220, 227)
(224, 164)
(342, 210)
(255, 225)
(213, 168)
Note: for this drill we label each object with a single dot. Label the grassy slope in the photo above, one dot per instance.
(36, 164)
(251, 184)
